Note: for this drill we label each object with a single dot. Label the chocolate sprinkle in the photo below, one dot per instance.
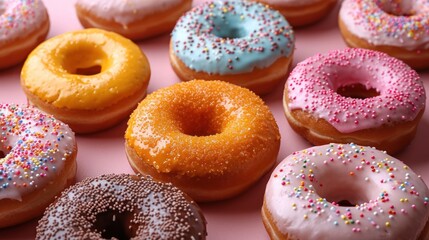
(122, 207)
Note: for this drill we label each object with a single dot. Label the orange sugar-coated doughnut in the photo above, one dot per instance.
(134, 19)
(212, 139)
(90, 79)
(23, 26)
(37, 161)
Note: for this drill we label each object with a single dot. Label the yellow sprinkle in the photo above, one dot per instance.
(305, 216)
(387, 224)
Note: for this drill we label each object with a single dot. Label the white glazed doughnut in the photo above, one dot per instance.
(302, 12)
(134, 19)
(23, 25)
(399, 28)
(345, 192)
(37, 161)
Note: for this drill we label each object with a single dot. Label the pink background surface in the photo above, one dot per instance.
(237, 218)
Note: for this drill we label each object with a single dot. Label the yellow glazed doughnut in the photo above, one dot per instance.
(212, 139)
(90, 79)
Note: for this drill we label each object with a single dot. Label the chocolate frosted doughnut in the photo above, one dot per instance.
(122, 207)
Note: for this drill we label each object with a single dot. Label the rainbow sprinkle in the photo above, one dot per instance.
(313, 185)
(33, 148)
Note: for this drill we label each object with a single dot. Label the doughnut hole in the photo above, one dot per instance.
(353, 83)
(115, 225)
(357, 90)
(344, 189)
(397, 7)
(84, 59)
(3, 151)
(195, 118)
(229, 28)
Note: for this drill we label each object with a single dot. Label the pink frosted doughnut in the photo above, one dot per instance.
(355, 95)
(345, 192)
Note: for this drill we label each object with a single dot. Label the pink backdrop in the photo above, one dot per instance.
(237, 218)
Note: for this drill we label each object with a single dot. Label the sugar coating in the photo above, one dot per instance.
(401, 23)
(312, 87)
(19, 17)
(202, 128)
(156, 210)
(389, 201)
(35, 147)
(230, 37)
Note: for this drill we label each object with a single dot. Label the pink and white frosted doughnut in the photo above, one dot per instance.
(355, 95)
(37, 161)
(397, 27)
(301, 12)
(134, 19)
(345, 192)
(23, 25)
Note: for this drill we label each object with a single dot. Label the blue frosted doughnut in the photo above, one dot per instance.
(231, 37)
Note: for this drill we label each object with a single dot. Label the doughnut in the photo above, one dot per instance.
(211, 139)
(302, 12)
(37, 161)
(134, 19)
(378, 197)
(355, 95)
(90, 79)
(24, 24)
(240, 42)
(398, 28)
(122, 206)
